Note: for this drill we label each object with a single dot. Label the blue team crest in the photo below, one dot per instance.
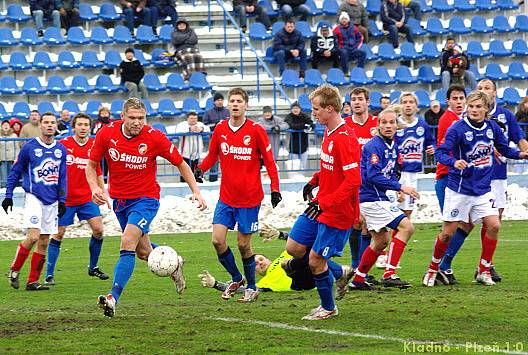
(400, 133)
(58, 153)
(469, 136)
(489, 133)
(38, 152)
(34, 219)
(454, 212)
(420, 131)
(394, 208)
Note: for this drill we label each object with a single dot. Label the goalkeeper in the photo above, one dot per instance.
(274, 278)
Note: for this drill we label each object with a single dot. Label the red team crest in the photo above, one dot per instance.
(142, 149)
(247, 140)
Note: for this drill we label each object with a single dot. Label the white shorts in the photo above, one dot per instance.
(411, 180)
(459, 207)
(40, 216)
(380, 214)
(500, 190)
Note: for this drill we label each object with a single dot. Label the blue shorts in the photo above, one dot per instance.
(324, 240)
(83, 212)
(440, 187)
(245, 218)
(139, 212)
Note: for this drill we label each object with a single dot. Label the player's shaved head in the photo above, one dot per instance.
(328, 95)
(238, 91)
(134, 103)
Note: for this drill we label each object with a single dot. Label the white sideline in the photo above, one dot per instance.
(353, 334)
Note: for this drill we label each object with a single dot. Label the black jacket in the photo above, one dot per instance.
(244, 2)
(292, 3)
(444, 60)
(184, 39)
(131, 71)
(288, 41)
(432, 118)
(46, 6)
(299, 141)
(392, 13)
(320, 43)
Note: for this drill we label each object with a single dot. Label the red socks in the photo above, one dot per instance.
(37, 263)
(367, 261)
(488, 249)
(20, 258)
(438, 253)
(396, 249)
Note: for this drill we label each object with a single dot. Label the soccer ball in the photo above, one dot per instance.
(163, 261)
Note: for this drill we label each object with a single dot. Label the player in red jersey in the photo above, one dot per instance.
(322, 231)
(131, 147)
(239, 143)
(79, 199)
(361, 121)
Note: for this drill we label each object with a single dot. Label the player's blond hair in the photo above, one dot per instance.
(238, 91)
(328, 96)
(80, 115)
(480, 95)
(395, 109)
(134, 103)
(406, 94)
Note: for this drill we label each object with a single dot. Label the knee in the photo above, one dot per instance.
(143, 254)
(97, 232)
(219, 244)
(492, 229)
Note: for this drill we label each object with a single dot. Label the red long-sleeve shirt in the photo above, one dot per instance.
(446, 120)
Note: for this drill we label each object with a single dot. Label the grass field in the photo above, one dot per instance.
(152, 318)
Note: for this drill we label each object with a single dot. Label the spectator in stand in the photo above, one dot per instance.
(244, 7)
(358, 16)
(160, 9)
(384, 103)
(103, 118)
(133, 8)
(433, 114)
(288, 8)
(349, 40)
(186, 54)
(132, 73)
(447, 60)
(211, 118)
(44, 9)
(31, 129)
(412, 7)
(8, 151)
(299, 121)
(324, 47)
(289, 44)
(191, 146)
(273, 126)
(64, 127)
(346, 110)
(16, 125)
(393, 17)
(522, 112)
(69, 13)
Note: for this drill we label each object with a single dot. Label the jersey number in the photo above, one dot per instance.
(254, 227)
(493, 203)
(142, 223)
(325, 251)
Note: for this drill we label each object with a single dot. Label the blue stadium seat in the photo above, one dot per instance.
(257, 32)
(209, 103)
(104, 84)
(441, 97)
(434, 26)
(381, 76)
(100, 36)
(89, 60)
(474, 49)
(8, 86)
(408, 52)
(304, 101)
(501, 24)
(403, 75)
(511, 96)
(494, 72)
(475, 71)
(423, 98)
(107, 12)
(521, 23)
(430, 50)
(516, 71)
(269, 56)
(486, 5)
(359, 77)
(165, 33)
(198, 81)
(86, 13)
(80, 85)
(497, 49)
(29, 37)
(152, 83)
(315, 11)
(457, 26)
(416, 28)
(150, 111)
(304, 28)
(276, 27)
(190, 104)
(43, 61)
(290, 79)
(375, 98)
(175, 82)
(67, 61)
(370, 54)
(32, 85)
(441, 6)
(269, 8)
(330, 7)
(3, 112)
(7, 38)
(373, 6)
(464, 5)
(92, 108)
(374, 29)
(479, 25)
(76, 36)
(336, 77)
(56, 85)
(53, 36)
(519, 47)
(506, 4)
(386, 52)
(18, 61)
(71, 106)
(112, 59)
(16, 14)
(166, 108)
(160, 62)
(3, 66)
(138, 53)
(426, 75)
(313, 78)
(145, 35)
(394, 96)
(46, 106)
(160, 127)
(425, 7)
(123, 35)
(21, 110)
(116, 107)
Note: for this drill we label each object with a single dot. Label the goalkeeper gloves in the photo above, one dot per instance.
(268, 233)
(62, 209)
(275, 198)
(6, 203)
(313, 211)
(307, 192)
(206, 279)
(198, 175)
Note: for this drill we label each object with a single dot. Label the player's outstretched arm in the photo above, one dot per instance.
(411, 191)
(188, 175)
(98, 193)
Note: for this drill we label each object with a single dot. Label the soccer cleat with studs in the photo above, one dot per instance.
(361, 286)
(178, 278)
(250, 295)
(446, 277)
(232, 287)
(13, 279)
(96, 272)
(429, 278)
(36, 286)
(107, 304)
(320, 313)
(485, 278)
(341, 284)
(394, 281)
(49, 281)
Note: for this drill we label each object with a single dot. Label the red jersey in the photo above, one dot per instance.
(339, 178)
(76, 160)
(364, 132)
(132, 160)
(240, 152)
(445, 121)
